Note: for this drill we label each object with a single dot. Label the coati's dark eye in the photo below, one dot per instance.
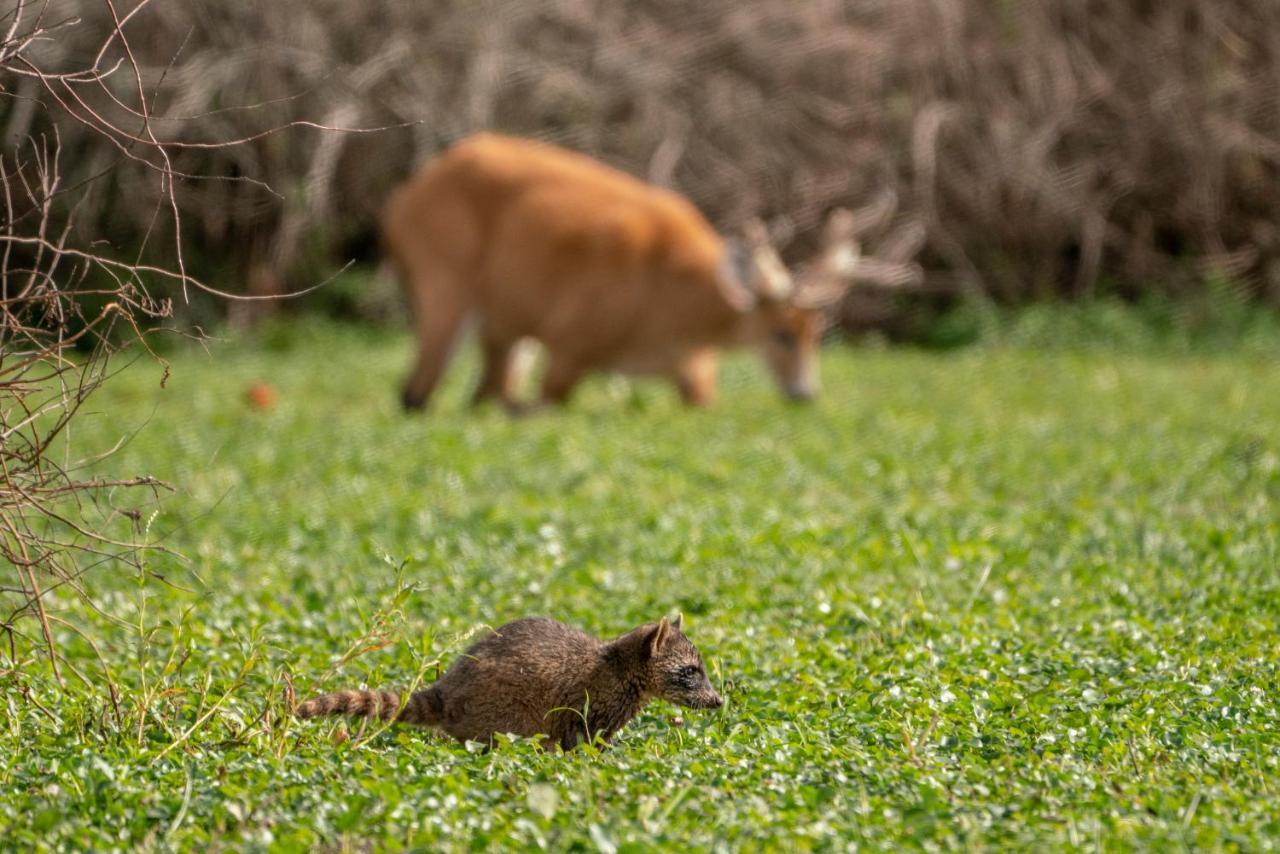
(785, 338)
(687, 677)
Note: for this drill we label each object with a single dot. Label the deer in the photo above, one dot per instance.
(607, 272)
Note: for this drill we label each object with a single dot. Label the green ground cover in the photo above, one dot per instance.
(990, 597)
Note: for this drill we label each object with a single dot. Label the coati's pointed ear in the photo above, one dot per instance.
(658, 637)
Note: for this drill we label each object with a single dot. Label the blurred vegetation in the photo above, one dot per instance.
(1215, 319)
(1218, 317)
(1049, 150)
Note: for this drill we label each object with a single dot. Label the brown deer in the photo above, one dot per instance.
(606, 272)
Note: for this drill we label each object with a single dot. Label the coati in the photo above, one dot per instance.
(536, 676)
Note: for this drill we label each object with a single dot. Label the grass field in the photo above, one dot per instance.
(980, 599)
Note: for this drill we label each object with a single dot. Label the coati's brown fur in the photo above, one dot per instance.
(536, 676)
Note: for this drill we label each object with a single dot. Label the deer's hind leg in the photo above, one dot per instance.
(439, 310)
(563, 374)
(499, 375)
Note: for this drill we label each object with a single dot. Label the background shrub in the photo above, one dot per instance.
(1045, 147)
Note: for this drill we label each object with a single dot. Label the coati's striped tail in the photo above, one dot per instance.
(423, 709)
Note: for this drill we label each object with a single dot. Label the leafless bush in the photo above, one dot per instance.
(1037, 147)
(69, 300)
(56, 521)
(61, 307)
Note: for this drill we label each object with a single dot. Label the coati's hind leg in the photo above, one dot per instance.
(425, 708)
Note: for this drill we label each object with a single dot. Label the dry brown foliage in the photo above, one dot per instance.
(57, 521)
(68, 301)
(1034, 147)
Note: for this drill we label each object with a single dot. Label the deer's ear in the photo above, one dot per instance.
(735, 275)
(658, 637)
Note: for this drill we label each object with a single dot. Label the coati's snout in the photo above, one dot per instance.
(687, 685)
(676, 672)
(708, 699)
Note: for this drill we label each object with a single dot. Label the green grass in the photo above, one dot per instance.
(981, 599)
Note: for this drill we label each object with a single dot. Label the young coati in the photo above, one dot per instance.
(538, 677)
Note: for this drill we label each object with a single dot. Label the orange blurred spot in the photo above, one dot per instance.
(261, 396)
